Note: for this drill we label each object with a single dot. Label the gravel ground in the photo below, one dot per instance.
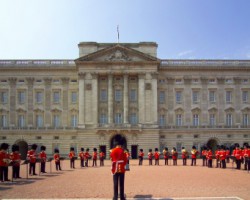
(140, 182)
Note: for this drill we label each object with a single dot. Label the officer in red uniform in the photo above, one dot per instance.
(150, 156)
(72, 157)
(227, 154)
(204, 156)
(94, 157)
(174, 156)
(210, 158)
(43, 157)
(81, 156)
(87, 157)
(4, 162)
(194, 154)
(141, 155)
(217, 156)
(31, 156)
(223, 156)
(15, 157)
(184, 155)
(165, 155)
(237, 155)
(119, 160)
(157, 156)
(57, 160)
(101, 157)
(245, 157)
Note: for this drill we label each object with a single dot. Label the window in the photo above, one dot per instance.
(178, 81)
(21, 97)
(162, 97)
(229, 120)
(56, 121)
(73, 120)
(103, 95)
(133, 119)
(4, 97)
(162, 120)
(132, 95)
(245, 96)
(118, 118)
(39, 121)
(195, 120)
(3, 122)
(228, 96)
(245, 81)
(195, 81)
(211, 96)
(178, 120)
(212, 119)
(178, 146)
(103, 119)
(178, 97)
(73, 97)
(56, 97)
(228, 80)
(195, 96)
(39, 97)
(118, 95)
(245, 120)
(21, 121)
(211, 80)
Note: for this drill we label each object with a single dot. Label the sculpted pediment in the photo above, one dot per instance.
(117, 53)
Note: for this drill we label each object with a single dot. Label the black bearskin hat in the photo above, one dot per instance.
(95, 149)
(56, 150)
(82, 149)
(156, 149)
(236, 145)
(166, 148)
(150, 150)
(15, 147)
(118, 140)
(33, 146)
(72, 149)
(194, 147)
(183, 147)
(43, 148)
(174, 148)
(141, 150)
(87, 149)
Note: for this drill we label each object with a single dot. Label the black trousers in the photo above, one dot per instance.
(82, 162)
(166, 161)
(3, 173)
(209, 163)
(140, 160)
(193, 162)
(118, 178)
(43, 167)
(156, 161)
(238, 164)
(184, 161)
(94, 163)
(72, 163)
(223, 162)
(101, 162)
(15, 171)
(204, 161)
(32, 168)
(150, 161)
(174, 161)
(58, 166)
(87, 163)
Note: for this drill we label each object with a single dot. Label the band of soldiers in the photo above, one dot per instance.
(222, 156)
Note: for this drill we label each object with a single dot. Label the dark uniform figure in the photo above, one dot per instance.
(194, 153)
(4, 162)
(165, 155)
(15, 157)
(72, 157)
(237, 155)
(141, 155)
(57, 160)
(101, 156)
(150, 156)
(43, 157)
(157, 156)
(81, 156)
(184, 155)
(94, 157)
(204, 156)
(87, 157)
(174, 156)
(31, 155)
(119, 160)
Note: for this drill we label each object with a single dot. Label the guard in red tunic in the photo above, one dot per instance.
(87, 157)
(227, 155)
(150, 156)
(204, 156)
(194, 154)
(165, 155)
(43, 157)
(4, 162)
(94, 157)
(57, 160)
(237, 155)
(141, 155)
(101, 157)
(31, 156)
(119, 160)
(184, 155)
(72, 157)
(245, 156)
(223, 156)
(210, 158)
(217, 156)
(157, 156)
(15, 157)
(174, 156)
(81, 156)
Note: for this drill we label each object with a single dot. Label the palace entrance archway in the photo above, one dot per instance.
(23, 148)
(212, 143)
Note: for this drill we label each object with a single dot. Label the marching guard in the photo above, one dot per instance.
(150, 156)
(246, 156)
(101, 157)
(194, 154)
(87, 157)
(43, 157)
(209, 158)
(81, 156)
(174, 156)
(57, 159)
(94, 157)
(237, 155)
(223, 156)
(31, 156)
(165, 155)
(204, 156)
(72, 157)
(4, 162)
(157, 156)
(141, 155)
(217, 156)
(184, 155)
(15, 157)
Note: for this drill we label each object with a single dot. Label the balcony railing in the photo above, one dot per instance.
(34, 63)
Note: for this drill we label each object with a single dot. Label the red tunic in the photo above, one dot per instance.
(217, 154)
(86, 155)
(150, 155)
(81, 155)
(237, 154)
(141, 154)
(157, 155)
(57, 157)
(119, 160)
(194, 153)
(16, 158)
(174, 155)
(184, 154)
(209, 155)
(72, 154)
(31, 156)
(165, 154)
(101, 155)
(43, 156)
(204, 153)
(4, 159)
(94, 155)
(222, 154)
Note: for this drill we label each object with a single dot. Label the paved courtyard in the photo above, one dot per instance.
(141, 182)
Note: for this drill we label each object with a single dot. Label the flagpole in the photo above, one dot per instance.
(118, 34)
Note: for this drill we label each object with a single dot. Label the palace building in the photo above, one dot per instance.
(123, 88)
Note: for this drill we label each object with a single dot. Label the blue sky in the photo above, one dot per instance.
(183, 29)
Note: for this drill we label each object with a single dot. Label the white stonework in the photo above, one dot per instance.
(172, 103)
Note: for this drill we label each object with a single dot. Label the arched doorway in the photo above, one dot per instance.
(112, 145)
(212, 143)
(23, 148)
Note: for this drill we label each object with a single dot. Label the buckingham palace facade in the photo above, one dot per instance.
(123, 88)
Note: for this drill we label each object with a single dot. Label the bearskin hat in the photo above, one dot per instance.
(150, 150)
(118, 140)
(82, 149)
(156, 149)
(34, 146)
(15, 147)
(174, 148)
(183, 147)
(72, 149)
(95, 149)
(194, 147)
(43, 148)
(87, 149)
(141, 150)
(166, 148)
(236, 145)
(56, 150)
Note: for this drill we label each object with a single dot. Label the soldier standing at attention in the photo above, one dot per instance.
(43, 157)
(4, 162)
(184, 155)
(157, 156)
(237, 155)
(210, 158)
(150, 157)
(31, 155)
(141, 155)
(87, 157)
(101, 156)
(119, 160)
(81, 156)
(204, 156)
(165, 155)
(223, 156)
(57, 160)
(194, 153)
(94, 157)
(72, 157)
(174, 156)
(15, 157)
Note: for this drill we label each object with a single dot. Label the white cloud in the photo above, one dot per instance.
(184, 53)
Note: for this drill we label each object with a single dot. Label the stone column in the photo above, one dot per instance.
(237, 101)
(187, 101)
(154, 99)
(65, 102)
(141, 98)
(30, 98)
(12, 102)
(81, 122)
(204, 101)
(221, 101)
(47, 99)
(171, 100)
(110, 99)
(95, 98)
(125, 99)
